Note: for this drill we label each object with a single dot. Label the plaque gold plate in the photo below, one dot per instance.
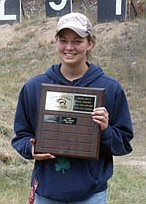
(64, 124)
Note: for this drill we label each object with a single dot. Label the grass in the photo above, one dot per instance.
(127, 186)
(15, 183)
(121, 51)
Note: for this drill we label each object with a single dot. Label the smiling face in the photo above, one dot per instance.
(72, 48)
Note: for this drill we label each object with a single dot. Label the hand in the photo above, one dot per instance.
(101, 117)
(40, 156)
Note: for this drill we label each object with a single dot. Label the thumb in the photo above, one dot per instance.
(32, 141)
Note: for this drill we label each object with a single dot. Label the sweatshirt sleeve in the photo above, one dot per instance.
(24, 124)
(116, 138)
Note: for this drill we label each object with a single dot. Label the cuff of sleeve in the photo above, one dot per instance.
(106, 134)
(29, 151)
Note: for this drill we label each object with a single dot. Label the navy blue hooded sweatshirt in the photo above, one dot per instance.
(76, 179)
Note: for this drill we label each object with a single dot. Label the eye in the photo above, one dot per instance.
(78, 41)
(62, 41)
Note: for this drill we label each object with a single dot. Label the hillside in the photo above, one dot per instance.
(28, 49)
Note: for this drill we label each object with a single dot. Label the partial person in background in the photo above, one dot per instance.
(85, 180)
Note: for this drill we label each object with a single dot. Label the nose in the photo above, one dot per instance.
(69, 46)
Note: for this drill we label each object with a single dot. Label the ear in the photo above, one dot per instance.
(90, 45)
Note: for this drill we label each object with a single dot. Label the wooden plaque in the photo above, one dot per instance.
(64, 124)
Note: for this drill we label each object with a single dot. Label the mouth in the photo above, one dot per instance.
(69, 55)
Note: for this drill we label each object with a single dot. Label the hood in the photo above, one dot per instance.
(92, 74)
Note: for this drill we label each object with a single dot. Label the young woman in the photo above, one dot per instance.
(85, 180)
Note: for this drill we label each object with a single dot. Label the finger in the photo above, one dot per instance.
(100, 111)
(106, 116)
(43, 156)
(100, 118)
(32, 141)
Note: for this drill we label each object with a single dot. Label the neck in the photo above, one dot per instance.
(73, 72)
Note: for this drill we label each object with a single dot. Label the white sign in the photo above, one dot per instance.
(10, 11)
(118, 7)
(58, 7)
(2, 12)
(111, 10)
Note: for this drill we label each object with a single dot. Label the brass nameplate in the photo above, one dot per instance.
(64, 125)
(69, 102)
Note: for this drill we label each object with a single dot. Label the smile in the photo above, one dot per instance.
(70, 55)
